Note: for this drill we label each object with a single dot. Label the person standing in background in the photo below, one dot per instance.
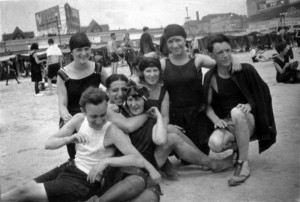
(147, 48)
(54, 62)
(36, 72)
(113, 53)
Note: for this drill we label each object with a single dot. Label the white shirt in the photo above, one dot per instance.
(88, 155)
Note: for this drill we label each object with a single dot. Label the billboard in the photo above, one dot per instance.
(72, 19)
(47, 19)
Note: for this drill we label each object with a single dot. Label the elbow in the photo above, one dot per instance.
(161, 141)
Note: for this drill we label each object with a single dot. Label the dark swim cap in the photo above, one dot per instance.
(174, 30)
(79, 40)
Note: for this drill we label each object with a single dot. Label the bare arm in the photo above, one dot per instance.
(37, 59)
(65, 134)
(278, 68)
(204, 61)
(165, 105)
(159, 131)
(115, 136)
(128, 125)
(104, 76)
(63, 100)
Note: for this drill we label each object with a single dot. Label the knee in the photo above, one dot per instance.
(174, 139)
(215, 144)
(136, 183)
(237, 115)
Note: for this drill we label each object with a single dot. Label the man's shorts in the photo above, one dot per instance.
(114, 57)
(52, 70)
(70, 185)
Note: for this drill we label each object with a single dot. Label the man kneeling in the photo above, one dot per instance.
(96, 142)
(240, 107)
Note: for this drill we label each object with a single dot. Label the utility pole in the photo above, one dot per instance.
(58, 31)
(188, 19)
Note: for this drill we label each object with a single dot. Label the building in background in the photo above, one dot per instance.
(18, 34)
(267, 15)
(216, 23)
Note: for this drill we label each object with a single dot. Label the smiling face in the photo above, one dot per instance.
(135, 105)
(82, 54)
(176, 45)
(151, 75)
(222, 54)
(117, 92)
(96, 114)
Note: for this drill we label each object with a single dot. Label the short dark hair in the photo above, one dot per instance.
(280, 47)
(217, 39)
(34, 46)
(50, 41)
(92, 95)
(115, 77)
(145, 29)
(149, 62)
(79, 40)
(112, 34)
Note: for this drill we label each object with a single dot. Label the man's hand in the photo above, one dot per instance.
(80, 138)
(96, 173)
(221, 124)
(246, 108)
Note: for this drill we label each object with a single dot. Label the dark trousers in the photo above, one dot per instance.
(36, 87)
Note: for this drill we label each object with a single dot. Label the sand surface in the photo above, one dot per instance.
(27, 121)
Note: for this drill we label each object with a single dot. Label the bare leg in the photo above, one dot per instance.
(124, 190)
(188, 153)
(31, 191)
(243, 129)
(147, 196)
(50, 86)
(221, 140)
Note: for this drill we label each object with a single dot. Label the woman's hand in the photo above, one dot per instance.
(154, 112)
(66, 117)
(236, 65)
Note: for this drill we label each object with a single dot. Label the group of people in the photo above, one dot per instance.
(52, 64)
(10, 70)
(118, 140)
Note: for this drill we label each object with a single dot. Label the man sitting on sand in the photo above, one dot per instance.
(96, 143)
(240, 106)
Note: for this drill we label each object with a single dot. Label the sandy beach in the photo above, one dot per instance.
(27, 121)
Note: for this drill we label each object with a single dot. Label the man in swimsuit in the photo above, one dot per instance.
(54, 62)
(240, 107)
(95, 140)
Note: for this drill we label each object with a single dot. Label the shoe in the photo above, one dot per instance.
(242, 172)
(235, 157)
(38, 95)
(169, 170)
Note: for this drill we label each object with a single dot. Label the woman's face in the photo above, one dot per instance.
(82, 54)
(117, 92)
(151, 75)
(135, 105)
(176, 45)
(285, 50)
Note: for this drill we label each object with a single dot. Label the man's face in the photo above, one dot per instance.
(222, 54)
(96, 114)
(113, 37)
(117, 92)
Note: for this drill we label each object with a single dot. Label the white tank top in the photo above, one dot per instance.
(110, 46)
(92, 153)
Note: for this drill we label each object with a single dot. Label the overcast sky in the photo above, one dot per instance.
(123, 14)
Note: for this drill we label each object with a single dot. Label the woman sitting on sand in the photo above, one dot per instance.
(286, 72)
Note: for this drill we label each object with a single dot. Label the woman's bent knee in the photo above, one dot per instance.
(215, 144)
